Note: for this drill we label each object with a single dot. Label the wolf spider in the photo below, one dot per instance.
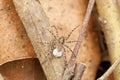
(59, 42)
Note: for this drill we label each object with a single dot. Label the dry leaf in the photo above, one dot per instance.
(25, 69)
(14, 43)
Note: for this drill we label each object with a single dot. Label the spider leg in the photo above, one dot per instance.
(71, 32)
(52, 33)
(64, 55)
(69, 49)
(44, 42)
(72, 41)
(48, 57)
(55, 29)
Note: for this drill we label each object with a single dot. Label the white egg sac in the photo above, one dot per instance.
(57, 53)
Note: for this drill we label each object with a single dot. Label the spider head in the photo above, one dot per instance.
(62, 40)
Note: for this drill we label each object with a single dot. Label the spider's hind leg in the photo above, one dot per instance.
(70, 49)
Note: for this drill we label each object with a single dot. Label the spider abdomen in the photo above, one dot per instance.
(57, 52)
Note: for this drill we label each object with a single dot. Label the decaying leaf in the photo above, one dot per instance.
(25, 69)
(14, 43)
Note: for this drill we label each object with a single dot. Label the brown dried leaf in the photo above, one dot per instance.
(26, 69)
(14, 43)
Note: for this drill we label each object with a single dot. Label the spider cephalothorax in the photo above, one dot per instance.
(61, 40)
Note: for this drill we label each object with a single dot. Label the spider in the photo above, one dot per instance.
(59, 43)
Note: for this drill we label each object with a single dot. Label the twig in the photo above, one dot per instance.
(71, 62)
(110, 70)
(79, 69)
